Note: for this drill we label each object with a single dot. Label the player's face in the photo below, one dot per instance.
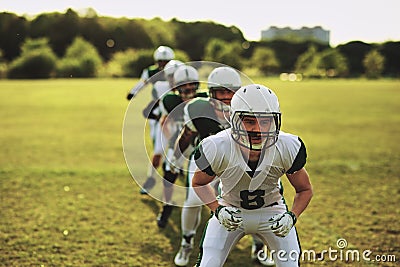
(256, 125)
(224, 95)
(187, 91)
(162, 63)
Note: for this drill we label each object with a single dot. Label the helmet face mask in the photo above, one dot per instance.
(255, 131)
(255, 117)
(188, 91)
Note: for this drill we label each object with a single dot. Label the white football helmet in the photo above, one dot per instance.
(259, 102)
(223, 78)
(171, 67)
(186, 74)
(186, 80)
(163, 53)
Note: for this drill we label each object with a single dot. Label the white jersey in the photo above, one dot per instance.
(241, 186)
(161, 88)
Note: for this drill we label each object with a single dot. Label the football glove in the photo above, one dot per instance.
(129, 96)
(229, 217)
(282, 223)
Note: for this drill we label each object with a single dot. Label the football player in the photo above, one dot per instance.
(153, 111)
(204, 117)
(162, 55)
(248, 159)
(187, 82)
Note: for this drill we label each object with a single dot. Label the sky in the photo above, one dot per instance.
(347, 20)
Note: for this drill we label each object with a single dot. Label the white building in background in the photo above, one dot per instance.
(305, 33)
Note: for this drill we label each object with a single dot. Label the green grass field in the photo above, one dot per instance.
(68, 199)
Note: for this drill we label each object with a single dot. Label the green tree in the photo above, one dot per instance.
(307, 63)
(60, 29)
(3, 65)
(328, 63)
(265, 60)
(224, 52)
(355, 52)
(333, 63)
(374, 64)
(13, 31)
(81, 60)
(391, 52)
(37, 61)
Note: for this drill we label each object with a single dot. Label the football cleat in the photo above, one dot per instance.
(148, 185)
(163, 216)
(183, 255)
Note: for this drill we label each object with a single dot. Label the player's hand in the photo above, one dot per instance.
(129, 96)
(282, 223)
(229, 217)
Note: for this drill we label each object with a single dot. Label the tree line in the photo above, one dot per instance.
(87, 45)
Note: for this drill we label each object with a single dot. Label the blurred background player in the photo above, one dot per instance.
(204, 117)
(187, 82)
(153, 111)
(162, 55)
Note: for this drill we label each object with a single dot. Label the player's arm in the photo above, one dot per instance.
(183, 141)
(304, 192)
(142, 82)
(281, 224)
(133, 92)
(167, 126)
(201, 184)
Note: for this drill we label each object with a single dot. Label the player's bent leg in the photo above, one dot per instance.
(284, 250)
(190, 221)
(168, 181)
(216, 244)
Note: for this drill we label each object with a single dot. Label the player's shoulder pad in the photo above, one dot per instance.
(211, 152)
(171, 101)
(153, 68)
(293, 150)
(161, 88)
(200, 107)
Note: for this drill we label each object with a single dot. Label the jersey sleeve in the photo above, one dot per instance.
(202, 117)
(171, 101)
(203, 155)
(145, 75)
(186, 118)
(300, 158)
